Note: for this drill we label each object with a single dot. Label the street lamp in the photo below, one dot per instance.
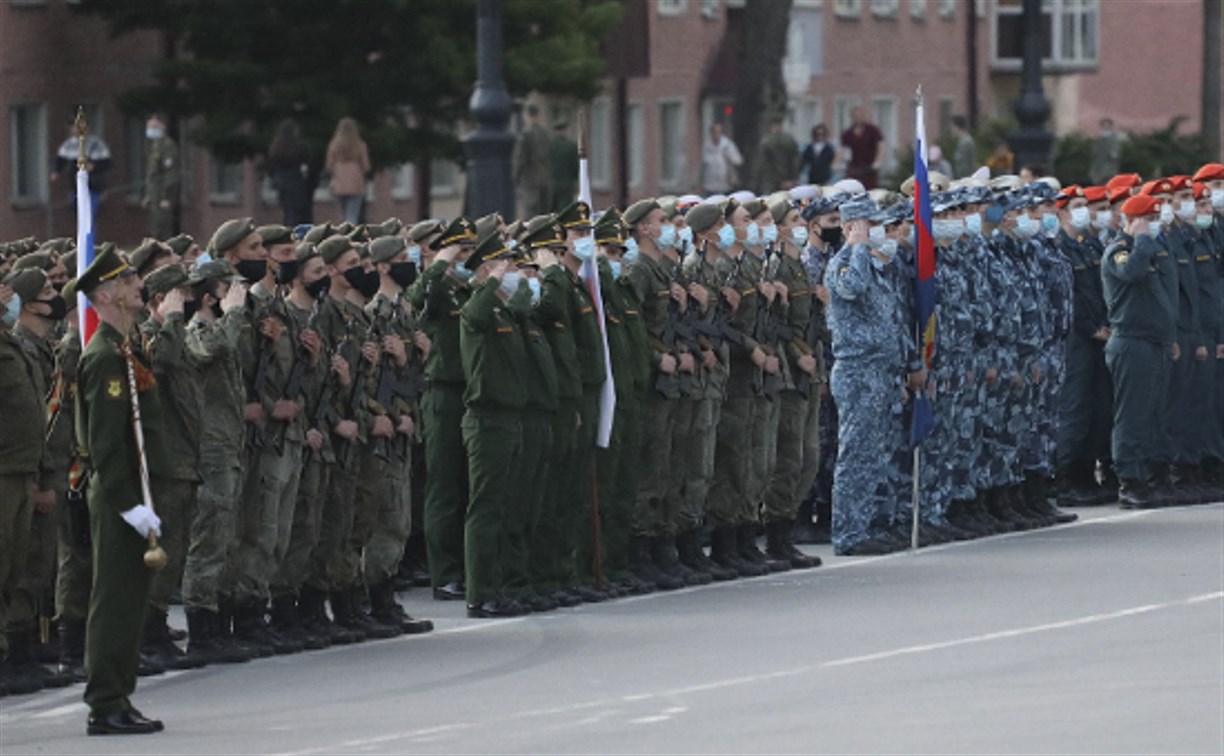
(1032, 143)
(490, 183)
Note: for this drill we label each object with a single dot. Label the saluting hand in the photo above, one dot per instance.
(235, 298)
(173, 303)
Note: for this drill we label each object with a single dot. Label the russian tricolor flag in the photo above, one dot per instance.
(85, 253)
(590, 276)
(923, 421)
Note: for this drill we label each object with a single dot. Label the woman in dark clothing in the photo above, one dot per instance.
(817, 161)
(288, 165)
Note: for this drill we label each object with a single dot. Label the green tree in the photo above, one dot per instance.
(404, 69)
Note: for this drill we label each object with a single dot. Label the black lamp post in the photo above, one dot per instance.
(490, 183)
(1032, 143)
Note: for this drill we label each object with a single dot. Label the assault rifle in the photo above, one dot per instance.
(301, 359)
(397, 391)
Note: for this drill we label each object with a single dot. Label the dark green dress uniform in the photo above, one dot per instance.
(439, 296)
(1140, 283)
(121, 579)
(496, 367)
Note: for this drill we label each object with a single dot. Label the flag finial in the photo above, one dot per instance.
(918, 94)
(582, 133)
(81, 130)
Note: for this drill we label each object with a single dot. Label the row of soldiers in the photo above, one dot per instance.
(309, 381)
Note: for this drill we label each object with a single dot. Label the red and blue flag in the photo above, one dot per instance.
(85, 253)
(923, 417)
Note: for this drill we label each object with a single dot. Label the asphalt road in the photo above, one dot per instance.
(1105, 636)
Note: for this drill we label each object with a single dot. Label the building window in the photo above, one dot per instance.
(28, 156)
(947, 108)
(1069, 30)
(136, 149)
(947, 9)
(884, 116)
(885, 8)
(445, 175)
(224, 182)
(671, 143)
(600, 158)
(842, 105)
(709, 9)
(803, 114)
(671, 7)
(635, 137)
(847, 8)
(918, 9)
(403, 177)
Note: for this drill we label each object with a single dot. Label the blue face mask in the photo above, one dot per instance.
(769, 234)
(994, 214)
(510, 282)
(463, 274)
(512, 244)
(973, 223)
(1154, 226)
(631, 252)
(534, 285)
(1049, 222)
(615, 265)
(414, 254)
(889, 248)
(1025, 226)
(12, 310)
(799, 234)
(685, 235)
(875, 237)
(726, 237)
(667, 236)
(912, 239)
(584, 248)
(203, 258)
(753, 236)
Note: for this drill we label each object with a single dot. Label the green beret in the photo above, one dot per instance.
(755, 207)
(69, 260)
(107, 266)
(576, 215)
(779, 208)
(143, 256)
(275, 234)
(362, 249)
(345, 228)
(729, 206)
(165, 278)
(359, 233)
(213, 270)
(38, 260)
(332, 247)
(58, 245)
(516, 229)
(488, 224)
(305, 251)
(180, 244)
(25, 246)
(669, 205)
(319, 233)
(461, 230)
(491, 248)
(610, 229)
(639, 210)
(389, 227)
(704, 216)
(27, 283)
(543, 231)
(387, 247)
(230, 234)
(69, 293)
(419, 232)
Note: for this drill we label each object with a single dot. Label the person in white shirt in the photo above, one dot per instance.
(719, 158)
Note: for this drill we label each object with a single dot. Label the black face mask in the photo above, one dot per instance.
(369, 287)
(252, 270)
(403, 273)
(356, 277)
(216, 308)
(318, 287)
(831, 236)
(287, 271)
(59, 287)
(58, 308)
(190, 308)
(145, 296)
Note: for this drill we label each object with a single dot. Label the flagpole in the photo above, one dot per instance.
(584, 194)
(920, 127)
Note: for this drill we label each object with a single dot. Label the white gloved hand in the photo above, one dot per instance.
(143, 519)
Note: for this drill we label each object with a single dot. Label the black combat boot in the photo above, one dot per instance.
(352, 616)
(1137, 494)
(667, 559)
(778, 545)
(805, 531)
(72, 650)
(688, 547)
(251, 627)
(157, 644)
(204, 640)
(284, 619)
(735, 557)
(312, 610)
(385, 609)
(228, 629)
(722, 549)
(746, 547)
(645, 570)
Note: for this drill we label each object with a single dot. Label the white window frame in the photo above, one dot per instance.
(947, 9)
(680, 160)
(918, 9)
(135, 162)
(224, 197)
(888, 127)
(885, 8)
(635, 140)
(601, 143)
(842, 103)
(444, 178)
(35, 155)
(403, 182)
(709, 9)
(1056, 10)
(671, 7)
(848, 8)
(802, 113)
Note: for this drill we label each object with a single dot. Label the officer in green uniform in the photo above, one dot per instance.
(495, 366)
(161, 177)
(439, 294)
(164, 336)
(122, 519)
(1140, 280)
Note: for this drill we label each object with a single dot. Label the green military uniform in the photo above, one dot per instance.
(439, 296)
(74, 572)
(119, 601)
(495, 366)
(161, 185)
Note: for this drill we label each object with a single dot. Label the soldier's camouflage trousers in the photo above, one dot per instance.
(798, 455)
(176, 506)
(307, 524)
(214, 529)
(266, 520)
(729, 493)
